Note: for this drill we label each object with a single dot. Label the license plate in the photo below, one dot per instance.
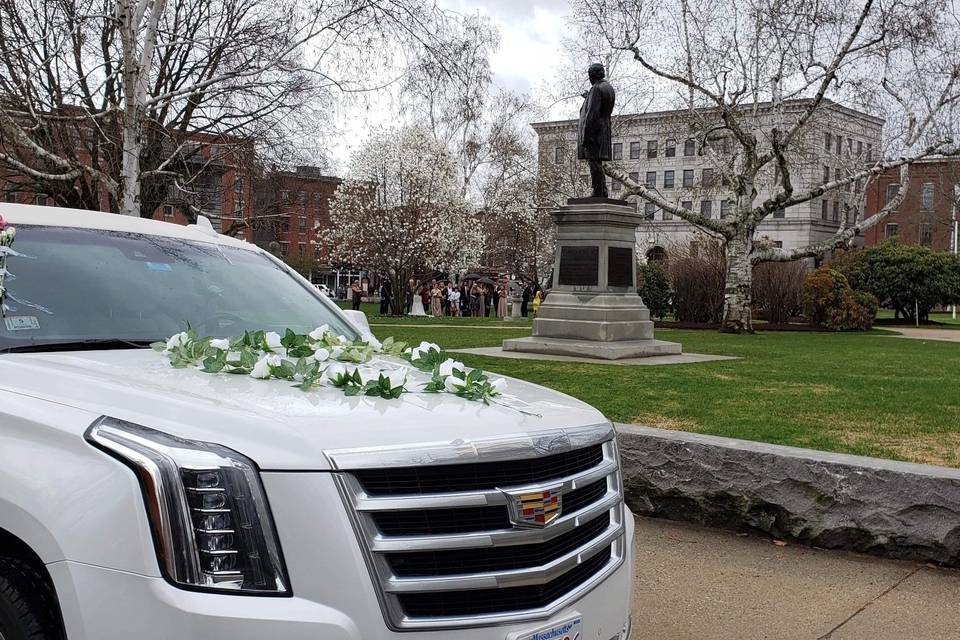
(569, 629)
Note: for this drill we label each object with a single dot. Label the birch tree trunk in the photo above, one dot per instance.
(737, 295)
(137, 59)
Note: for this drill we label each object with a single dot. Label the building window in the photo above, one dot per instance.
(859, 148)
(670, 151)
(667, 215)
(284, 248)
(618, 151)
(285, 224)
(839, 145)
(649, 210)
(827, 139)
(824, 209)
(616, 186)
(836, 211)
(238, 184)
(316, 251)
(706, 208)
(706, 179)
(688, 177)
(826, 174)
(301, 197)
(651, 149)
(284, 196)
(869, 152)
(779, 213)
(689, 147)
(634, 150)
(926, 196)
(778, 244)
(849, 147)
(892, 191)
(302, 248)
(725, 207)
(651, 180)
(668, 178)
(11, 196)
(635, 176)
(687, 204)
(42, 200)
(557, 155)
(302, 224)
(167, 211)
(926, 234)
(892, 230)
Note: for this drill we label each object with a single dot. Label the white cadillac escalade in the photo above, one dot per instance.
(140, 501)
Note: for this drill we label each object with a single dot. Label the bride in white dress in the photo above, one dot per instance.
(417, 308)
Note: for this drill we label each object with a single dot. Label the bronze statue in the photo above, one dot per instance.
(594, 137)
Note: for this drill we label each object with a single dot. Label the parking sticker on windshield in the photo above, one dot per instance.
(158, 266)
(21, 323)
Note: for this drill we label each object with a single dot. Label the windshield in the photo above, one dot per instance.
(70, 285)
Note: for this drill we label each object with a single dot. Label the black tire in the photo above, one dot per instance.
(28, 606)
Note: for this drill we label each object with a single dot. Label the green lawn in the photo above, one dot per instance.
(865, 394)
(937, 320)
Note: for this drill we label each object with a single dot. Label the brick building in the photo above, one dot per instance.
(924, 216)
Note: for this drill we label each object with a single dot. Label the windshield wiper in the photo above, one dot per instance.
(97, 344)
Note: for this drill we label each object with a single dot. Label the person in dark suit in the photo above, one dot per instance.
(594, 135)
(525, 300)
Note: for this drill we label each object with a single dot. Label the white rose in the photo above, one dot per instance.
(336, 352)
(274, 360)
(453, 384)
(335, 371)
(499, 385)
(448, 366)
(423, 349)
(342, 339)
(366, 375)
(321, 355)
(177, 340)
(261, 370)
(233, 356)
(397, 378)
(273, 340)
(371, 340)
(319, 332)
(223, 344)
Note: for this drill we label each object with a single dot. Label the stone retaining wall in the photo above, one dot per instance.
(882, 507)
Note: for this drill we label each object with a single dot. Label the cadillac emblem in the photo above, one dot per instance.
(532, 509)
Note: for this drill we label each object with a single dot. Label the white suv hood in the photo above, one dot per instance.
(278, 426)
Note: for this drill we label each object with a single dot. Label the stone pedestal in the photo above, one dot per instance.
(593, 309)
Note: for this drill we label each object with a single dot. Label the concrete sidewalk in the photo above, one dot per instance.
(942, 335)
(695, 583)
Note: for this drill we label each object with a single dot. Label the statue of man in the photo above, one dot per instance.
(594, 143)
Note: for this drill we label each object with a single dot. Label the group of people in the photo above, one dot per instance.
(469, 298)
(466, 299)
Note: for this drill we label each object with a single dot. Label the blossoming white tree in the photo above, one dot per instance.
(401, 211)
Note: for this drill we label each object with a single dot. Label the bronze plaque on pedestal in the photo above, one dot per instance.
(579, 266)
(619, 267)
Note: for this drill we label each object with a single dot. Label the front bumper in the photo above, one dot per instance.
(103, 604)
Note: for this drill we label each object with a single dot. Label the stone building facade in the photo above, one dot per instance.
(687, 157)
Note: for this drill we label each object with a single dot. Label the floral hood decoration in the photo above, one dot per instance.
(7, 235)
(323, 358)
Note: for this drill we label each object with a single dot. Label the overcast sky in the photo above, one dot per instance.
(530, 38)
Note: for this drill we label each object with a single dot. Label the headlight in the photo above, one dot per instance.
(209, 515)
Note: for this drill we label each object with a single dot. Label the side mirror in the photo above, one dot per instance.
(358, 319)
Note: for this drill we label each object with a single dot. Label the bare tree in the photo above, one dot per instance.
(107, 98)
(760, 74)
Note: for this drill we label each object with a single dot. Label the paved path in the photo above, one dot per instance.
(695, 583)
(943, 335)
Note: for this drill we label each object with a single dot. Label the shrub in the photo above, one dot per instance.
(654, 288)
(697, 277)
(911, 279)
(831, 303)
(778, 290)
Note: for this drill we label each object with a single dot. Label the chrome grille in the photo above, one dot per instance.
(434, 526)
